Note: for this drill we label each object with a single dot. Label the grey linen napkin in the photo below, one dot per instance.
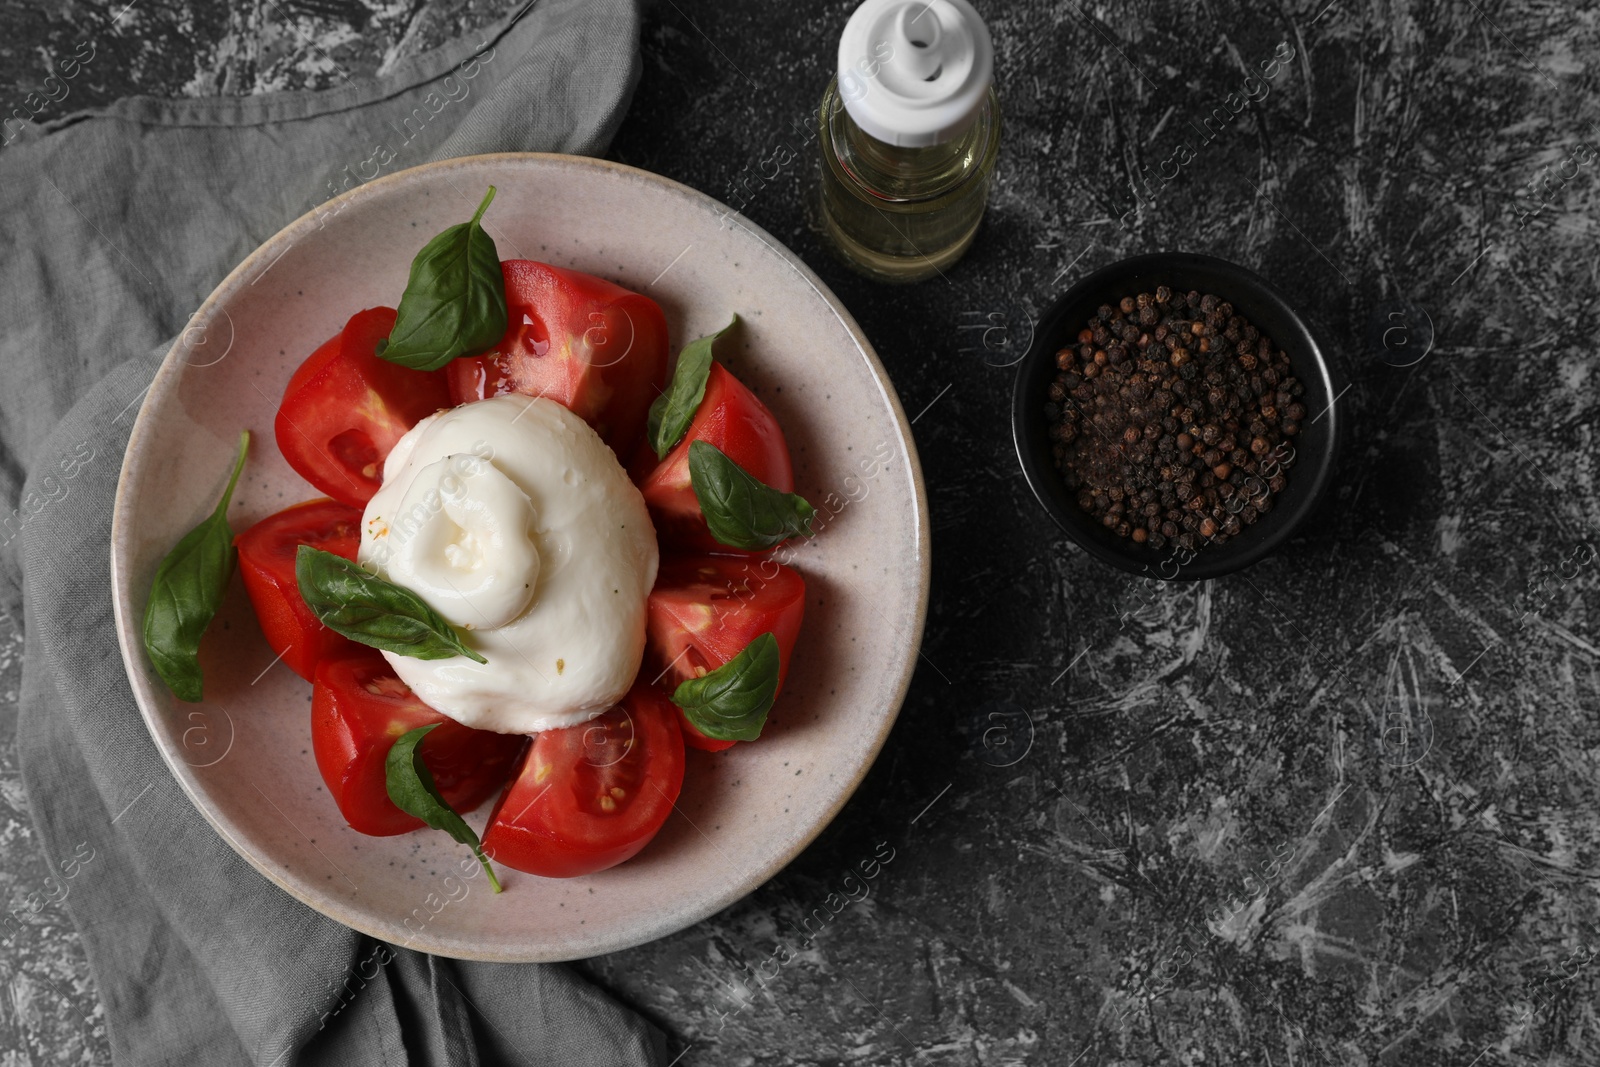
(115, 224)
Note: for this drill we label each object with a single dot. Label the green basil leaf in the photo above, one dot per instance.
(731, 702)
(741, 510)
(455, 300)
(674, 409)
(411, 787)
(365, 608)
(188, 590)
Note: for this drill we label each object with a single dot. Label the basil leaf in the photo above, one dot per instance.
(674, 409)
(455, 300)
(411, 787)
(731, 703)
(741, 510)
(365, 608)
(188, 590)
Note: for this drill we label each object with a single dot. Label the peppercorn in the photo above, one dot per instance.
(1165, 386)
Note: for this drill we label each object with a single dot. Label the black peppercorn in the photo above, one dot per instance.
(1158, 456)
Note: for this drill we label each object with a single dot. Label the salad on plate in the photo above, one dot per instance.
(536, 564)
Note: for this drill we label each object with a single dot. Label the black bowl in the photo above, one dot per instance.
(1314, 447)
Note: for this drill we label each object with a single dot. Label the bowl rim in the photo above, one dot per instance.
(1040, 473)
(127, 621)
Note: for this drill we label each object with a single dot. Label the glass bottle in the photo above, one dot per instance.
(909, 134)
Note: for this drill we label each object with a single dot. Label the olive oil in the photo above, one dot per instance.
(909, 130)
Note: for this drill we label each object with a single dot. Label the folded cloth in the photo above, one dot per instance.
(116, 223)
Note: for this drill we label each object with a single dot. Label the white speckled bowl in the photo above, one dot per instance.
(244, 755)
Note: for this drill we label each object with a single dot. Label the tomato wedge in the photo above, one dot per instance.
(589, 797)
(345, 408)
(704, 610)
(359, 708)
(731, 418)
(266, 562)
(595, 348)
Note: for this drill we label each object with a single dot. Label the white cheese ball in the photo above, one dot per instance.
(514, 521)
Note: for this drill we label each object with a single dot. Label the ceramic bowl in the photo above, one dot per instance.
(743, 814)
(1314, 447)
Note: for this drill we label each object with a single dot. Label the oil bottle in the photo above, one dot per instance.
(909, 133)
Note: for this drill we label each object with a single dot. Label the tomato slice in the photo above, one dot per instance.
(359, 708)
(589, 797)
(595, 348)
(704, 610)
(266, 562)
(345, 408)
(731, 418)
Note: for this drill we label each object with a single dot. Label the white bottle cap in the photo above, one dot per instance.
(915, 72)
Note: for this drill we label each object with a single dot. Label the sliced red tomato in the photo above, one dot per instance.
(595, 348)
(704, 610)
(359, 708)
(345, 408)
(731, 418)
(589, 797)
(266, 561)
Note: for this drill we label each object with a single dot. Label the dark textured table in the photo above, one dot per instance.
(1337, 809)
